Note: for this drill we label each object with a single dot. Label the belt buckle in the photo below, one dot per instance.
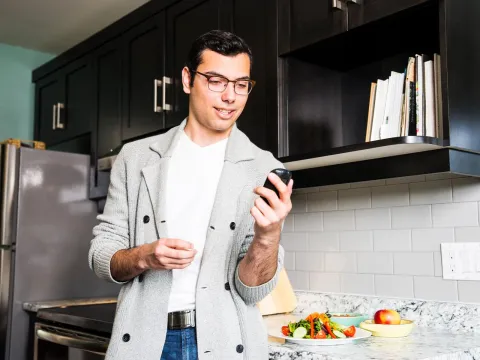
(181, 319)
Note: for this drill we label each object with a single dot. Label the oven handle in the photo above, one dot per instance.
(83, 344)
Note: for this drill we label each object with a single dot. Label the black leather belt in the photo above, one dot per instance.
(181, 319)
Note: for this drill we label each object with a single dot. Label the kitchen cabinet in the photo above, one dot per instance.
(143, 55)
(325, 91)
(303, 22)
(63, 103)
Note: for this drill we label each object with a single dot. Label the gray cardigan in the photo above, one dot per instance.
(229, 324)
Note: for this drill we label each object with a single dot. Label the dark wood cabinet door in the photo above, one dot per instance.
(186, 21)
(304, 22)
(108, 87)
(371, 10)
(143, 66)
(76, 116)
(49, 93)
(253, 29)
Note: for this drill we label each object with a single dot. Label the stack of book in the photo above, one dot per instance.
(408, 103)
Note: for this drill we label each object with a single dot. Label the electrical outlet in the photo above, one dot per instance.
(461, 261)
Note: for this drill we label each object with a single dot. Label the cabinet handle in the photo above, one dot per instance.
(338, 4)
(358, 2)
(156, 84)
(54, 117)
(166, 80)
(59, 124)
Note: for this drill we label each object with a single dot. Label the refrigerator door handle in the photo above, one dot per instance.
(8, 201)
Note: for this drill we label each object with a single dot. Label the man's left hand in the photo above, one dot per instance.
(270, 216)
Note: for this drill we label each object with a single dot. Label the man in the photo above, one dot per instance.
(184, 228)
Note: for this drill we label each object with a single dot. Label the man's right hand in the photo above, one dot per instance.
(163, 254)
(167, 254)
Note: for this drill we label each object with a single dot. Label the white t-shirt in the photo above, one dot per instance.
(192, 181)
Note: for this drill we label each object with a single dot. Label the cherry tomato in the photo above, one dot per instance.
(320, 335)
(285, 330)
(350, 331)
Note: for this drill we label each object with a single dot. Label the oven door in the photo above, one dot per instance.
(58, 343)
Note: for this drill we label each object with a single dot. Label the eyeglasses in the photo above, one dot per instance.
(219, 83)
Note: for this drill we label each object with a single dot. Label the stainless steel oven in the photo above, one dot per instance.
(54, 342)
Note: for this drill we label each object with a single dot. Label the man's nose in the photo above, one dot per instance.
(229, 94)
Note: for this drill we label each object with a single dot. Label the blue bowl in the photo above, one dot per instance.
(348, 319)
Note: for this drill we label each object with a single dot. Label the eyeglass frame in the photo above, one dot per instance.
(253, 82)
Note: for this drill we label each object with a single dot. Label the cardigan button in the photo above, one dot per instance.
(126, 338)
(227, 286)
(146, 219)
(232, 225)
(239, 348)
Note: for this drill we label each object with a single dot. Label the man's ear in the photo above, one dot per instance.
(186, 80)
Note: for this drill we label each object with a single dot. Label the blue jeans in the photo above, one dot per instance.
(180, 344)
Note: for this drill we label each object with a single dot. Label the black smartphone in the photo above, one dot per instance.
(283, 174)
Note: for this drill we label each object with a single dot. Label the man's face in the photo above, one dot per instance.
(217, 111)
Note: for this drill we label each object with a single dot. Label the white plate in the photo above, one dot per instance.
(274, 328)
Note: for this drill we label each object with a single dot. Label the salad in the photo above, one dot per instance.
(317, 326)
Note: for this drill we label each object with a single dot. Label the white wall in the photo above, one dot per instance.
(382, 237)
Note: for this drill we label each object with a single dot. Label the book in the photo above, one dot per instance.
(373, 88)
(430, 103)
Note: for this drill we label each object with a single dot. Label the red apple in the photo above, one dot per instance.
(386, 316)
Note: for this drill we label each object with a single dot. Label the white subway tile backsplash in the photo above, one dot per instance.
(354, 199)
(356, 241)
(430, 239)
(324, 282)
(406, 179)
(431, 192)
(455, 214)
(299, 279)
(322, 201)
(299, 203)
(467, 234)
(294, 241)
(357, 284)
(339, 220)
(309, 261)
(437, 259)
(372, 219)
(442, 176)
(382, 237)
(469, 291)
(374, 263)
(409, 217)
(392, 240)
(394, 285)
(288, 223)
(340, 262)
(334, 187)
(435, 288)
(413, 264)
(289, 260)
(309, 222)
(466, 189)
(323, 241)
(371, 183)
(390, 195)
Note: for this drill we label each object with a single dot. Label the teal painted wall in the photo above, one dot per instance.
(17, 90)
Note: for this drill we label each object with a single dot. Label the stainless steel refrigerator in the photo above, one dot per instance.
(46, 222)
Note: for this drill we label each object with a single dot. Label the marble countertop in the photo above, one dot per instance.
(422, 343)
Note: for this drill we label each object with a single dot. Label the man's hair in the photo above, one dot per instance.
(219, 41)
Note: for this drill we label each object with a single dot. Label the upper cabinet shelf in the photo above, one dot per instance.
(364, 151)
